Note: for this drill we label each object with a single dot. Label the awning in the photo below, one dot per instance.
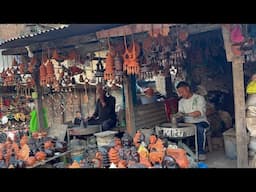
(55, 33)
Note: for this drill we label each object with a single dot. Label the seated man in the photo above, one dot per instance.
(105, 110)
(79, 120)
(193, 106)
(149, 96)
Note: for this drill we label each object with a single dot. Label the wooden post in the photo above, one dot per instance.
(129, 109)
(38, 100)
(239, 100)
(241, 134)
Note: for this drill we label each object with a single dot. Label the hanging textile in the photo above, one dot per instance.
(33, 124)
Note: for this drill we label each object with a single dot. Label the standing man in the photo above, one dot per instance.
(194, 108)
(105, 110)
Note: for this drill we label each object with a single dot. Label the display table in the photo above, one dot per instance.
(37, 164)
(89, 130)
(178, 133)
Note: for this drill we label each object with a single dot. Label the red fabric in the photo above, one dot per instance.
(171, 107)
(7, 102)
(236, 34)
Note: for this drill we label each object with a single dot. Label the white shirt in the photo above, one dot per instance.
(194, 103)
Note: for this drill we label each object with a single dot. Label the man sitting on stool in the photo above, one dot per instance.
(194, 108)
(79, 121)
(104, 114)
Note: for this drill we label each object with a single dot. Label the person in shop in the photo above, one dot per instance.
(104, 113)
(78, 120)
(193, 109)
(149, 96)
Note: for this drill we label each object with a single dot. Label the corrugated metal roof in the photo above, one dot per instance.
(55, 33)
(33, 34)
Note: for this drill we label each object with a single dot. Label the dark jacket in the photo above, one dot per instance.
(77, 121)
(107, 112)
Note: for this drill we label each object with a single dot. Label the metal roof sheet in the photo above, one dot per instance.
(64, 31)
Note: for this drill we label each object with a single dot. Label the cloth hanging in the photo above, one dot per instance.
(33, 124)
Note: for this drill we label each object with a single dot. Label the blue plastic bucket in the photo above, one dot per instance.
(77, 155)
(202, 165)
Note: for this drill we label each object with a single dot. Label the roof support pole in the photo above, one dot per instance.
(239, 99)
(129, 108)
(38, 100)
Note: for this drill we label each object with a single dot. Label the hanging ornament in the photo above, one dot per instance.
(118, 63)
(126, 55)
(50, 77)
(131, 65)
(43, 75)
(109, 69)
(57, 56)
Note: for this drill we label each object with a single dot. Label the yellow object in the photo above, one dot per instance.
(251, 88)
(143, 151)
(19, 117)
(34, 95)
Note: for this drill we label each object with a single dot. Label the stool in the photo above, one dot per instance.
(209, 139)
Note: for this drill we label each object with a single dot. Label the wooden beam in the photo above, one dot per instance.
(67, 42)
(200, 28)
(129, 109)
(138, 28)
(92, 47)
(227, 43)
(15, 51)
(59, 43)
(132, 29)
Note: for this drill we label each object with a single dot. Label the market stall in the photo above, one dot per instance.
(132, 53)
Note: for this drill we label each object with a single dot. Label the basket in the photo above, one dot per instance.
(183, 130)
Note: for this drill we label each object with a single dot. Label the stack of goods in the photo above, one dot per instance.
(26, 152)
(251, 114)
(127, 152)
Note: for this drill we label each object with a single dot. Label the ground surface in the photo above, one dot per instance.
(218, 159)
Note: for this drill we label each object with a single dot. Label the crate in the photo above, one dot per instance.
(230, 143)
(105, 137)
